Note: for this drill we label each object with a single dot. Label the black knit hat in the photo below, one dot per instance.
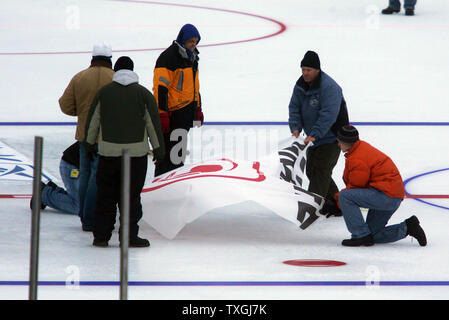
(311, 60)
(348, 134)
(124, 63)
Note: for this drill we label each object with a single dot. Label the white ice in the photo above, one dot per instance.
(391, 68)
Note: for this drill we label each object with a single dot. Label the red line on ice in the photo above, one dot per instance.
(282, 28)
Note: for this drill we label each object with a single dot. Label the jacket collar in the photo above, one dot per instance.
(101, 63)
(353, 148)
(314, 85)
(183, 52)
(125, 77)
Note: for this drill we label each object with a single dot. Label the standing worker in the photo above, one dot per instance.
(123, 115)
(76, 101)
(372, 181)
(317, 106)
(176, 89)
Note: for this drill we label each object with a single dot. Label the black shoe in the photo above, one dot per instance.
(390, 10)
(43, 206)
(87, 228)
(366, 241)
(409, 12)
(100, 243)
(415, 230)
(139, 243)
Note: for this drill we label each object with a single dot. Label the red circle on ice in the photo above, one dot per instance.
(314, 263)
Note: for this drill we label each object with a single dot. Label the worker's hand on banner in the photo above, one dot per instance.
(331, 208)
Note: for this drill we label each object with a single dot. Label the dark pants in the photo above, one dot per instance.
(87, 188)
(109, 195)
(321, 160)
(175, 151)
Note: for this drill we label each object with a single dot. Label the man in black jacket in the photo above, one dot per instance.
(123, 115)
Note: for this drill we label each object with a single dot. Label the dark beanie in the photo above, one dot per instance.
(348, 134)
(124, 63)
(311, 60)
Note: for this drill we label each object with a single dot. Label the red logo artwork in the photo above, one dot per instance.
(222, 168)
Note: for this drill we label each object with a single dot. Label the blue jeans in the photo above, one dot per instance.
(380, 209)
(408, 4)
(87, 188)
(60, 199)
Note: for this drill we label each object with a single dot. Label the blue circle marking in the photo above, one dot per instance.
(419, 176)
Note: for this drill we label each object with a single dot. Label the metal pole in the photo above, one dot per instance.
(124, 224)
(35, 218)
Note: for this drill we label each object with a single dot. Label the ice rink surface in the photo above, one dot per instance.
(391, 68)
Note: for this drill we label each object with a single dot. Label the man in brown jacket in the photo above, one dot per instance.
(76, 101)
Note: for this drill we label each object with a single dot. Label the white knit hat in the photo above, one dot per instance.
(102, 49)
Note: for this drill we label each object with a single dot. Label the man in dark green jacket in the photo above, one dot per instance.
(123, 115)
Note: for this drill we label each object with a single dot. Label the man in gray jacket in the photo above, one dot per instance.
(317, 106)
(123, 115)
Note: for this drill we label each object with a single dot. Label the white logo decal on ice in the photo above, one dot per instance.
(15, 166)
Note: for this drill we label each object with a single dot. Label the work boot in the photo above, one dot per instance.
(42, 186)
(100, 243)
(366, 241)
(390, 10)
(409, 12)
(415, 230)
(138, 243)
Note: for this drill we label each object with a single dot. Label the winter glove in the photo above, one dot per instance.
(158, 155)
(331, 208)
(165, 121)
(91, 150)
(199, 117)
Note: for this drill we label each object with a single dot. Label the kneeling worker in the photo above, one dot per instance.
(373, 182)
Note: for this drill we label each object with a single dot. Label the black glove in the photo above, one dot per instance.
(91, 151)
(156, 162)
(331, 208)
(158, 155)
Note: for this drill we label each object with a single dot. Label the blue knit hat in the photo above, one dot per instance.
(187, 31)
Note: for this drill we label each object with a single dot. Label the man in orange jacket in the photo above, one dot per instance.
(176, 89)
(373, 182)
